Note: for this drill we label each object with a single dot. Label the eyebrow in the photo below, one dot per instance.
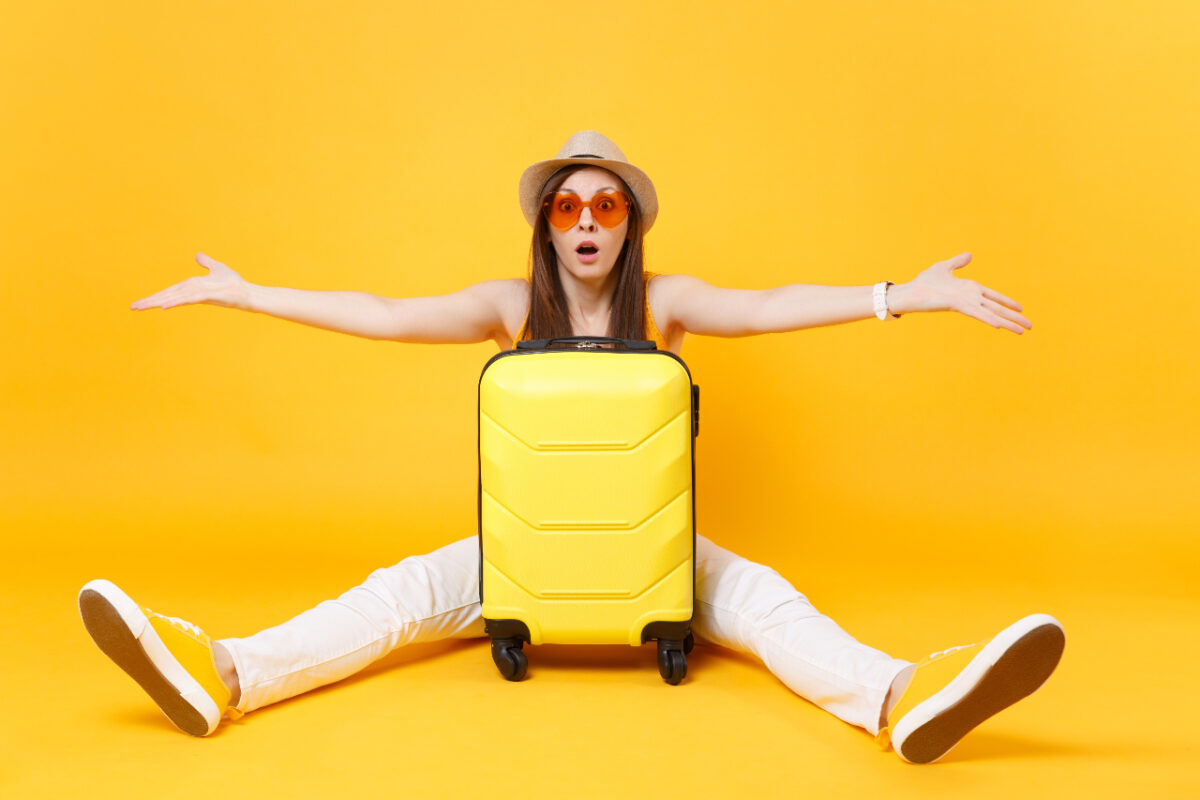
(601, 189)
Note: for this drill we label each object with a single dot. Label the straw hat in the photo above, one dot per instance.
(597, 150)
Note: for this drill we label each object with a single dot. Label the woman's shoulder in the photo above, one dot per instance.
(666, 293)
(671, 283)
(516, 298)
(659, 291)
(662, 285)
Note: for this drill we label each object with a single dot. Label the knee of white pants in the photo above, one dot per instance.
(420, 599)
(749, 590)
(421, 587)
(750, 607)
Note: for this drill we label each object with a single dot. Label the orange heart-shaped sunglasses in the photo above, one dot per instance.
(608, 208)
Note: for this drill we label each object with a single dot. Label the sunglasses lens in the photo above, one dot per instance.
(609, 209)
(562, 210)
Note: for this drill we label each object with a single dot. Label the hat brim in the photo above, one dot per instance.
(535, 177)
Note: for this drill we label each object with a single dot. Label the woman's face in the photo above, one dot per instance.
(571, 245)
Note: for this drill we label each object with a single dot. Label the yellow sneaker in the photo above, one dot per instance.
(954, 690)
(170, 658)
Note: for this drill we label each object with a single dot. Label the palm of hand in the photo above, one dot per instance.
(936, 289)
(221, 286)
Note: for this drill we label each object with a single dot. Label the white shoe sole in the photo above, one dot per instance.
(1011, 666)
(124, 633)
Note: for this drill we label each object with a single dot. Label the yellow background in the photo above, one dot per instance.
(925, 482)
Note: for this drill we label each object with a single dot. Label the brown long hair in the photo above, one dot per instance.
(548, 304)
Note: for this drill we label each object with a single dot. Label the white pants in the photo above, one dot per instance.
(739, 604)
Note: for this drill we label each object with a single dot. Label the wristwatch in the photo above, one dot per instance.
(879, 300)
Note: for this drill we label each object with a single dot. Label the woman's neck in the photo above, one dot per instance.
(589, 301)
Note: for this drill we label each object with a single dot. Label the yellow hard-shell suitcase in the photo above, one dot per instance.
(586, 498)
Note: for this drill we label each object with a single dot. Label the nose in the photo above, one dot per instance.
(586, 222)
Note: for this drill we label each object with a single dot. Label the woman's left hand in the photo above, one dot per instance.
(936, 289)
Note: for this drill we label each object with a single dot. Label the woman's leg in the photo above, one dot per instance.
(750, 608)
(421, 599)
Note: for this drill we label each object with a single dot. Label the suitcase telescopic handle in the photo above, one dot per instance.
(586, 343)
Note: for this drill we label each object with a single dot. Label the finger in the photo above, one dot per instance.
(1006, 313)
(982, 314)
(181, 296)
(169, 295)
(206, 262)
(995, 320)
(959, 261)
(992, 294)
(159, 295)
(148, 302)
(177, 301)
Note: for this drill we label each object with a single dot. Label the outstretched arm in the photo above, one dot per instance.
(473, 314)
(706, 310)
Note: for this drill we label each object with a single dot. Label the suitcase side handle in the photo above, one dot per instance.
(695, 410)
(586, 343)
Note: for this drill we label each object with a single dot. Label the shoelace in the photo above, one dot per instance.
(181, 623)
(948, 650)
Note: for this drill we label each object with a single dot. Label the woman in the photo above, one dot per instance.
(589, 208)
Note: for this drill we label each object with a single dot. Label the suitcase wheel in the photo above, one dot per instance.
(672, 663)
(688, 643)
(511, 662)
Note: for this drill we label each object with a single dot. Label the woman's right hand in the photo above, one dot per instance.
(220, 287)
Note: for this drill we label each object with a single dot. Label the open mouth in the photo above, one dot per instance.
(587, 249)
